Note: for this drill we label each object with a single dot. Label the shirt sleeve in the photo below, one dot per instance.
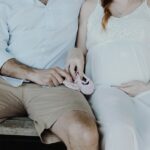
(4, 35)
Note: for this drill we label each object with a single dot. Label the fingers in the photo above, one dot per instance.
(74, 65)
(72, 70)
(63, 74)
(50, 83)
(131, 83)
(125, 90)
(126, 85)
(133, 88)
(54, 80)
(57, 76)
(80, 70)
(129, 90)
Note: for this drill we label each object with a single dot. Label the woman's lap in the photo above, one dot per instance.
(112, 106)
(115, 109)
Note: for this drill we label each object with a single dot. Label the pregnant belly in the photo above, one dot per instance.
(115, 66)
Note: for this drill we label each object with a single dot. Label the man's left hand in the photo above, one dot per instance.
(134, 88)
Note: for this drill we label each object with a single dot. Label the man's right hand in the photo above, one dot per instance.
(49, 77)
(46, 77)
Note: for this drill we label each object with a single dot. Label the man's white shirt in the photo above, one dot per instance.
(37, 35)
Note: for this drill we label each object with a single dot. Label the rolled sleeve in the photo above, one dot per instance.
(4, 57)
(4, 35)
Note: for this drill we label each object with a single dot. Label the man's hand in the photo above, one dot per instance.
(49, 77)
(134, 88)
(45, 77)
(75, 62)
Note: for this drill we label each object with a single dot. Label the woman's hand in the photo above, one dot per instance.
(75, 62)
(134, 88)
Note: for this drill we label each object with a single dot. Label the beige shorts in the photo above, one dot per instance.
(43, 105)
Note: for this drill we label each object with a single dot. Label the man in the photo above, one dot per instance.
(34, 39)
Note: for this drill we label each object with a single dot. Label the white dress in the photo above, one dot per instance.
(119, 55)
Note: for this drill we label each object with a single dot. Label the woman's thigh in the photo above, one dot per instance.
(142, 106)
(112, 106)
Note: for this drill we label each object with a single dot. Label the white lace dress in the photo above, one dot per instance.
(118, 55)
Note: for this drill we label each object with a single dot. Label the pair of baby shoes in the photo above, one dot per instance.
(84, 85)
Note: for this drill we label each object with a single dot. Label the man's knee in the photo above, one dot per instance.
(83, 127)
(77, 128)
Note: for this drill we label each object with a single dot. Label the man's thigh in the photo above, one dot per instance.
(46, 105)
(10, 101)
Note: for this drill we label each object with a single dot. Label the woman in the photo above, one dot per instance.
(115, 37)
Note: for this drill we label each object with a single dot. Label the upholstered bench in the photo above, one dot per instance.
(21, 126)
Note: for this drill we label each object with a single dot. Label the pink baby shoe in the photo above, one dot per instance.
(86, 86)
